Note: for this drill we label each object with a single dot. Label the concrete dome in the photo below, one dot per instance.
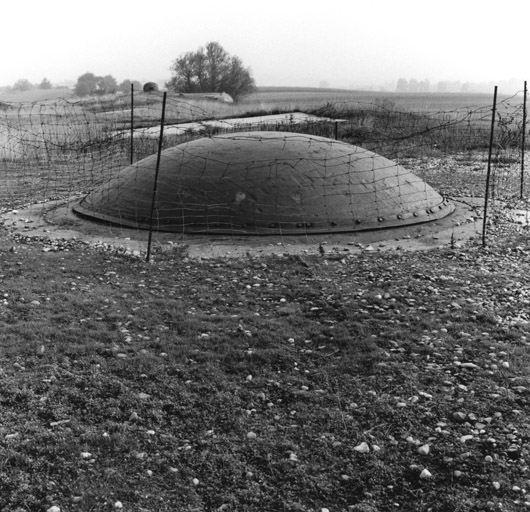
(265, 183)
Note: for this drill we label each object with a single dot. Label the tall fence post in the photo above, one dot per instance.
(488, 176)
(132, 123)
(155, 184)
(523, 140)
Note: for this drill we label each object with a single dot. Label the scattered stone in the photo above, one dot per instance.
(424, 450)
(425, 474)
(469, 365)
(362, 448)
(459, 416)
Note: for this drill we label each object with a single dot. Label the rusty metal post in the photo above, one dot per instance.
(155, 184)
(132, 123)
(488, 176)
(523, 141)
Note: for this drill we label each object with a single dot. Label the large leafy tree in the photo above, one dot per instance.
(211, 69)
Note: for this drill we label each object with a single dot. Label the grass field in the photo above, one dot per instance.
(371, 382)
(339, 381)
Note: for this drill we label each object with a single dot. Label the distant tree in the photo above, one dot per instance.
(88, 84)
(22, 85)
(402, 85)
(425, 86)
(236, 80)
(414, 85)
(442, 86)
(211, 69)
(446, 86)
(106, 84)
(45, 84)
(125, 86)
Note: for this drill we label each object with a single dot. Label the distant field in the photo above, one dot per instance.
(302, 98)
(36, 95)
(297, 98)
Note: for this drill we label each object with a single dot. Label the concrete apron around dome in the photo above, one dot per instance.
(56, 222)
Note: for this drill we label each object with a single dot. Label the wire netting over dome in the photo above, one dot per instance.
(265, 183)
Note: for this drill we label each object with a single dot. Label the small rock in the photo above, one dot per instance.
(55, 508)
(425, 474)
(362, 448)
(469, 365)
(459, 416)
(118, 505)
(251, 435)
(424, 450)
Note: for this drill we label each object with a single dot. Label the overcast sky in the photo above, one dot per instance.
(346, 43)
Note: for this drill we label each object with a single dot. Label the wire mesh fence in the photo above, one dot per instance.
(63, 150)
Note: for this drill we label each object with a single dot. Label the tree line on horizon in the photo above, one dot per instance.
(208, 69)
(212, 69)
(456, 86)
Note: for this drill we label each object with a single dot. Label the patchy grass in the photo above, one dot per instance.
(252, 384)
